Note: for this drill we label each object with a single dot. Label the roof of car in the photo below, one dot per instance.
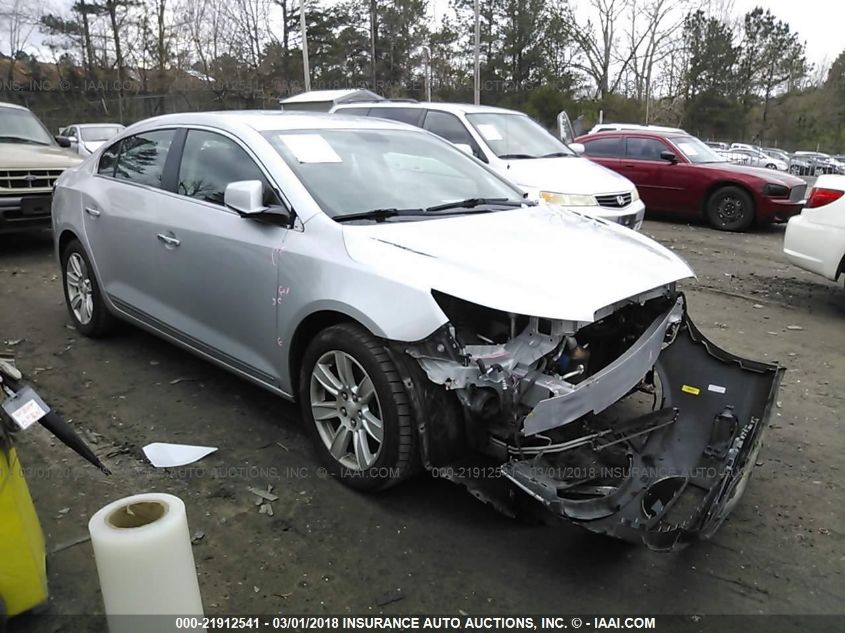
(637, 132)
(14, 106)
(262, 120)
(454, 108)
(95, 125)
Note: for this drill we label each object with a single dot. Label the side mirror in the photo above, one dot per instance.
(247, 198)
(465, 148)
(668, 156)
(578, 148)
(63, 141)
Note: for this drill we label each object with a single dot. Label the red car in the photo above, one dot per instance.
(678, 174)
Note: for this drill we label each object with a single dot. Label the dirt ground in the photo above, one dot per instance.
(427, 546)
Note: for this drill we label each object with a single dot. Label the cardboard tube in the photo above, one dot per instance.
(142, 547)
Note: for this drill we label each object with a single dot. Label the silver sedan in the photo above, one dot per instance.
(422, 312)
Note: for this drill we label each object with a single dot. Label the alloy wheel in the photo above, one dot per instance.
(80, 290)
(346, 410)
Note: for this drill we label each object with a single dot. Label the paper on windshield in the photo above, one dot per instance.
(489, 132)
(688, 149)
(310, 148)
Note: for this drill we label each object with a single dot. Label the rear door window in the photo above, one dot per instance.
(412, 116)
(142, 157)
(608, 147)
(355, 111)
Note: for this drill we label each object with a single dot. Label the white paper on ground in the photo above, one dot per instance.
(310, 148)
(163, 455)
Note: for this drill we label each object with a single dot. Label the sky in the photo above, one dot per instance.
(821, 23)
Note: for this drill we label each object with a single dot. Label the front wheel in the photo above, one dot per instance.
(795, 170)
(730, 209)
(82, 293)
(771, 166)
(356, 409)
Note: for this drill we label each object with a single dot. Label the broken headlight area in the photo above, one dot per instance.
(635, 426)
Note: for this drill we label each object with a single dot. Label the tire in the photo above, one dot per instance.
(359, 459)
(771, 166)
(795, 170)
(730, 209)
(91, 317)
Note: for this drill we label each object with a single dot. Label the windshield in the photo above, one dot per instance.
(99, 133)
(696, 151)
(22, 126)
(516, 136)
(359, 170)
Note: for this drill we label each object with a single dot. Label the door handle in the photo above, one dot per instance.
(170, 241)
(95, 213)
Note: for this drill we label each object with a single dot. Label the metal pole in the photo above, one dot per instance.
(305, 70)
(373, 45)
(477, 91)
(427, 51)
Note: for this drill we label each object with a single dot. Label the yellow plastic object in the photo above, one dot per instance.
(23, 562)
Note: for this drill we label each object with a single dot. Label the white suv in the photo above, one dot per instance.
(522, 151)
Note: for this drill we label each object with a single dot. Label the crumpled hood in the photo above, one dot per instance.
(567, 175)
(23, 156)
(540, 261)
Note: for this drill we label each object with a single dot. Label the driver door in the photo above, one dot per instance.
(222, 271)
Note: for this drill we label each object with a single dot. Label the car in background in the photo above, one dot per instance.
(678, 174)
(522, 151)
(756, 158)
(423, 315)
(815, 240)
(30, 162)
(609, 127)
(732, 157)
(821, 163)
(717, 145)
(86, 138)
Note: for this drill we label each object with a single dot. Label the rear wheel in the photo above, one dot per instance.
(730, 209)
(771, 166)
(356, 409)
(795, 170)
(82, 293)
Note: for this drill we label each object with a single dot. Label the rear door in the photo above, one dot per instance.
(607, 150)
(122, 209)
(225, 274)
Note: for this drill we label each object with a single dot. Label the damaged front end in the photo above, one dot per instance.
(634, 425)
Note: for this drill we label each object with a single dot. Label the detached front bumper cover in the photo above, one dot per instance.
(673, 475)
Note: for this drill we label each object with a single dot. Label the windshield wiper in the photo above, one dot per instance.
(557, 155)
(378, 215)
(20, 139)
(516, 156)
(470, 203)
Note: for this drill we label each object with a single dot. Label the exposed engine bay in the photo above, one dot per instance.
(634, 425)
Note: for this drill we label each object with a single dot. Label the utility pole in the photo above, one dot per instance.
(304, 29)
(477, 91)
(373, 45)
(427, 51)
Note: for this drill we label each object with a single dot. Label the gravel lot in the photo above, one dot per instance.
(428, 545)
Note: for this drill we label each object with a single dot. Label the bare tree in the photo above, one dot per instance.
(598, 42)
(19, 19)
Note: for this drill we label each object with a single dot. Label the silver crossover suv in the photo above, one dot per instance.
(423, 313)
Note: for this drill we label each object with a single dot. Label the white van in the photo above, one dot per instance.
(522, 151)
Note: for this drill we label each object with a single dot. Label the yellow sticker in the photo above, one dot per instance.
(691, 390)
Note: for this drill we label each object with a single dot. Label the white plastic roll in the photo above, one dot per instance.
(142, 547)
